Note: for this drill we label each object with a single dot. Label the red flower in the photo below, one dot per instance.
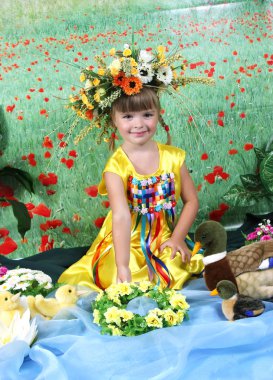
(66, 230)
(47, 155)
(60, 136)
(8, 246)
(210, 178)
(242, 115)
(47, 143)
(105, 204)
(51, 224)
(43, 112)
(50, 192)
(69, 163)
(232, 105)
(10, 108)
(92, 191)
(6, 191)
(3, 232)
(73, 153)
(220, 122)
(190, 119)
(232, 151)
(248, 146)
(46, 180)
(218, 213)
(204, 157)
(46, 243)
(99, 222)
(62, 144)
(41, 210)
(221, 114)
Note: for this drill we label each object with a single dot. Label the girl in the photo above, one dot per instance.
(144, 180)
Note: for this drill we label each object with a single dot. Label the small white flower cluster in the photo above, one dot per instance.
(21, 279)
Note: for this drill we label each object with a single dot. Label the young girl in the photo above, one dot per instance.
(141, 238)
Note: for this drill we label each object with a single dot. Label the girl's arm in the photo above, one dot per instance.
(121, 225)
(190, 200)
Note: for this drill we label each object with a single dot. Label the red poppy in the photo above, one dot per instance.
(232, 105)
(232, 151)
(41, 210)
(73, 153)
(62, 144)
(221, 114)
(47, 180)
(10, 108)
(99, 221)
(47, 143)
(47, 154)
(3, 232)
(105, 204)
(220, 122)
(69, 163)
(51, 224)
(8, 246)
(218, 213)
(50, 192)
(60, 136)
(248, 146)
(204, 157)
(46, 243)
(92, 191)
(242, 115)
(210, 178)
(66, 230)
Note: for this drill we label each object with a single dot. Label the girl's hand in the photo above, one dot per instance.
(124, 275)
(177, 247)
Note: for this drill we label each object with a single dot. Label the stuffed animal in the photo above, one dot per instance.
(10, 305)
(237, 306)
(241, 266)
(65, 296)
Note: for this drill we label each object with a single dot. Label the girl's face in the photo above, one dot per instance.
(136, 127)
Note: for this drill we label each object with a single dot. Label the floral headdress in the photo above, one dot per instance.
(130, 71)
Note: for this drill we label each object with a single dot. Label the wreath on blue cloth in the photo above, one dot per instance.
(110, 310)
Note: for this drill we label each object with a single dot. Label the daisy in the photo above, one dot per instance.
(164, 74)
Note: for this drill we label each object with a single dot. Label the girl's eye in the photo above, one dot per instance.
(149, 114)
(127, 116)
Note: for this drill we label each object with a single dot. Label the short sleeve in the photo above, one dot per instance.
(112, 166)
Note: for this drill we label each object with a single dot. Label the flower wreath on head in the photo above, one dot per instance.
(109, 309)
(130, 71)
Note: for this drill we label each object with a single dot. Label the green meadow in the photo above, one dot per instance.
(45, 44)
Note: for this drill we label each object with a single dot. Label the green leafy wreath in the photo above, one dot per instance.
(109, 309)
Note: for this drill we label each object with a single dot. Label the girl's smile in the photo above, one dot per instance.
(136, 127)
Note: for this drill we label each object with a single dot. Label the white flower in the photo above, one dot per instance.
(145, 56)
(88, 84)
(165, 74)
(145, 72)
(21, 286)
(19, 329)
(126, 46)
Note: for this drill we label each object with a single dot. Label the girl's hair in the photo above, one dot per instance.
(144, 100)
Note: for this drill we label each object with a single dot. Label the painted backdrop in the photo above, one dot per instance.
(226, 129)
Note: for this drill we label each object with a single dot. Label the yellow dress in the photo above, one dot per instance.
(152, 200)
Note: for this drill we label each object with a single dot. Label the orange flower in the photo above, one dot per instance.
(118, 79)
(131, 85)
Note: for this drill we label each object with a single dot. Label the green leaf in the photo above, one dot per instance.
(21, 214)
(19, 175)
(238, 196)
(266, 172)
(252, 182)
(260, 154)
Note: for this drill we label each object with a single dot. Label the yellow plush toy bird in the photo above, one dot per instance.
(65, 296)
(10, 305)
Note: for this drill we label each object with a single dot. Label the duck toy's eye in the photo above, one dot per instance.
(203, 236)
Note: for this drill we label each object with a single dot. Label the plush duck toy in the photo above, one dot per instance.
(9, 306)
(65, 296)
(237, 306)
(242, 266)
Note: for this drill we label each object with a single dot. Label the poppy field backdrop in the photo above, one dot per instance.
(226, 129)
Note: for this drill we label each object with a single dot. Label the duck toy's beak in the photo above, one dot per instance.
(196, 248)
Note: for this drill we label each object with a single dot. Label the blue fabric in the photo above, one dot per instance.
(205, 347)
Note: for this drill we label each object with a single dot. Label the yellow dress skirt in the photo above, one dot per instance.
(152, 200)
